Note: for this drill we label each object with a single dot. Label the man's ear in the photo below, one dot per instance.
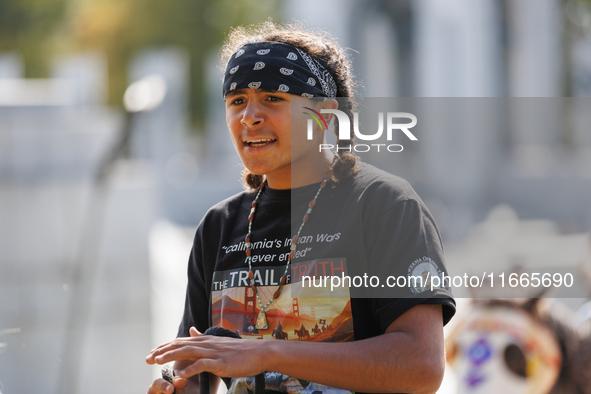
(327, 104)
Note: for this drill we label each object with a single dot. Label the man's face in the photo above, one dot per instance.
(260, 125)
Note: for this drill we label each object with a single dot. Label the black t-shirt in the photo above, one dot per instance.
(373, 224)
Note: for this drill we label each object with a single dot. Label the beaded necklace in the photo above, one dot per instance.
(261, 321)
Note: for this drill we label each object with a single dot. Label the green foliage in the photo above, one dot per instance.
(123, 27)
(26, 27)
(38, 29)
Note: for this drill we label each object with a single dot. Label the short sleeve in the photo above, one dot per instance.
(405, 251)
(197, 299)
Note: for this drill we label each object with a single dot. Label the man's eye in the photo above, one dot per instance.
(274, 98)
(238, 101)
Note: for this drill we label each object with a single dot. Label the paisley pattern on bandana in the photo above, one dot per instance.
(286, 69)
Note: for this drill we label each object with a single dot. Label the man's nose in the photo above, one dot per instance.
(253, 114)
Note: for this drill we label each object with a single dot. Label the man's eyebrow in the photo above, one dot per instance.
(243, 90)
(234, 92)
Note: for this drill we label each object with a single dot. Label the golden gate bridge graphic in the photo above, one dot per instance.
(237, 308)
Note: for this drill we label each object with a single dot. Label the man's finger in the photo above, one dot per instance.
(194, 332)
(177, 343)
(202, 365)
(161, 386)
(179, 384)
(183, 353)
(159, 347)
(167, 387)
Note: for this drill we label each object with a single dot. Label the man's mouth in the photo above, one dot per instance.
(261, 142)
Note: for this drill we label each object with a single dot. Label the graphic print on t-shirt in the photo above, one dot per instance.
(317, 315)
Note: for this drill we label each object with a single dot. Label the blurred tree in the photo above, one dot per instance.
(121, 28)
(39, 29)
(29, 27)
(576, 28)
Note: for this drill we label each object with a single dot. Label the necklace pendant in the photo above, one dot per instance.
(261, 323)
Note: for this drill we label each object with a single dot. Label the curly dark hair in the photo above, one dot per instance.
(324, 48)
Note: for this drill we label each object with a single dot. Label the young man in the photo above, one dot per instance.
(249, 250)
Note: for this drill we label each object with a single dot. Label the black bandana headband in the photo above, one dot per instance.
(277, 66)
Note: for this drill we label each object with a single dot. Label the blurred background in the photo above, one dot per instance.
(113, 145)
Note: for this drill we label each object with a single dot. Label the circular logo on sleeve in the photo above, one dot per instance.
(420, 274)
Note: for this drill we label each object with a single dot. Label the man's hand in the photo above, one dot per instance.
(408, 357)
(222, 356)
(161, 386)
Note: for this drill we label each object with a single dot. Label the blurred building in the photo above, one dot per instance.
(62, 234)
(535, 152)
(53, 134)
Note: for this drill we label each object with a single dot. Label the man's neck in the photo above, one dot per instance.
(301, 173)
